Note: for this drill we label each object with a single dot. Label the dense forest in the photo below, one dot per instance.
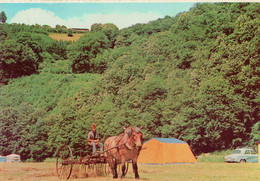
(194, 77)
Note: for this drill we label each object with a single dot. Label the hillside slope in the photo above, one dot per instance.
(194, 77)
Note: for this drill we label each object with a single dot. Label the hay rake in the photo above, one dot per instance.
(86, 166)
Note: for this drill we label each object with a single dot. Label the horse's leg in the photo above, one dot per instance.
(112, 165)
(123, 167)
(135, 169)
(115, 175)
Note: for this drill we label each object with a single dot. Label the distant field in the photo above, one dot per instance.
(176, 172)
(65, 37)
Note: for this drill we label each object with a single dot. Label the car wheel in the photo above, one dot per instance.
(243, 161)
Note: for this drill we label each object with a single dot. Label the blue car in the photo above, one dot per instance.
(242, 155)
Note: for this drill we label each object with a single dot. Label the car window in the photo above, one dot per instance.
(247, 152)
(237, 152)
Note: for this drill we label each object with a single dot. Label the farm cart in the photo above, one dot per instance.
(89, 164)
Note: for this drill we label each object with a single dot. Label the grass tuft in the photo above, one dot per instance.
(214, 157)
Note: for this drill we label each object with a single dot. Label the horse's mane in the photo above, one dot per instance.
(119, 138)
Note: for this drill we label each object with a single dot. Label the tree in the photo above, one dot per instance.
(32, 41)
(3, 17)
(255, 134)
(96, 27)
(70, 33)
(85, 49)
(110, 30)
(58, 29)
(17, 60)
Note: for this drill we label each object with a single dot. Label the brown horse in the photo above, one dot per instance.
(122, 148)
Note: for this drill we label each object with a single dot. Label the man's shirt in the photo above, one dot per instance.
(93, 136)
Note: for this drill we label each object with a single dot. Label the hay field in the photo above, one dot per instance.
(65, 37)
(176, 172)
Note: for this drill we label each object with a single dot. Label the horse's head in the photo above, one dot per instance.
(134, 137)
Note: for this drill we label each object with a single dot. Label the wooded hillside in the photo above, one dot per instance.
(194, 77)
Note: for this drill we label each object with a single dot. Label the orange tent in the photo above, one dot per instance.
(166, 150)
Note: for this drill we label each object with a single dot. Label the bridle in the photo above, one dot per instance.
(126, 140)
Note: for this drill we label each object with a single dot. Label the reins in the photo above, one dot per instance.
(113, 147)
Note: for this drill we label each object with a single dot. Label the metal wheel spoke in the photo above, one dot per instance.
(64, 162)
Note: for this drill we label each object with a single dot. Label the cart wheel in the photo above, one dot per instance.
(243, 161)
(64, 162)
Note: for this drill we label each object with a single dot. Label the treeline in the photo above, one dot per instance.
(24, 48)
(194, 77)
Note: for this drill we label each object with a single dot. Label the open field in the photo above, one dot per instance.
(175, 172)
(65, 37)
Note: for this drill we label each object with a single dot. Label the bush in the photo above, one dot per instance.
(70, 33)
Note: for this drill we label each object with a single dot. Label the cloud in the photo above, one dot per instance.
(44, 17)
(37, 16)
(120, 20)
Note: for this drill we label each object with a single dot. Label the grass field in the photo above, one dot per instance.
(202, 171)
(65, 37)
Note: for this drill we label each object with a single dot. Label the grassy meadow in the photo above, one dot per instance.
(210, 167)
(65, 37)
(201, 171)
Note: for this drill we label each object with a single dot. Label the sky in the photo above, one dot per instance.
(84, 14)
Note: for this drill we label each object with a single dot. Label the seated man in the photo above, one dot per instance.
(93, 139)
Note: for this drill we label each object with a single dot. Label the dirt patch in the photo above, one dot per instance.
(4, 171)
(34, 175)
(33, 172)
(178, 172)
(27, 169)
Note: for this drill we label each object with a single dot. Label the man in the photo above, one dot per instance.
(93, 139)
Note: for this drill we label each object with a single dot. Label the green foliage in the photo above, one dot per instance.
(70, 33)
(86, 48)
(86, 53)
(255, 134)
(16, 60)
(96, 27)
(214, 157)
(111, 31)
(24, 132)
(61, 29)
(13, 29)
(3, 17)
(50, 65)
(194, 77)
(28, 111)
(21, 51)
